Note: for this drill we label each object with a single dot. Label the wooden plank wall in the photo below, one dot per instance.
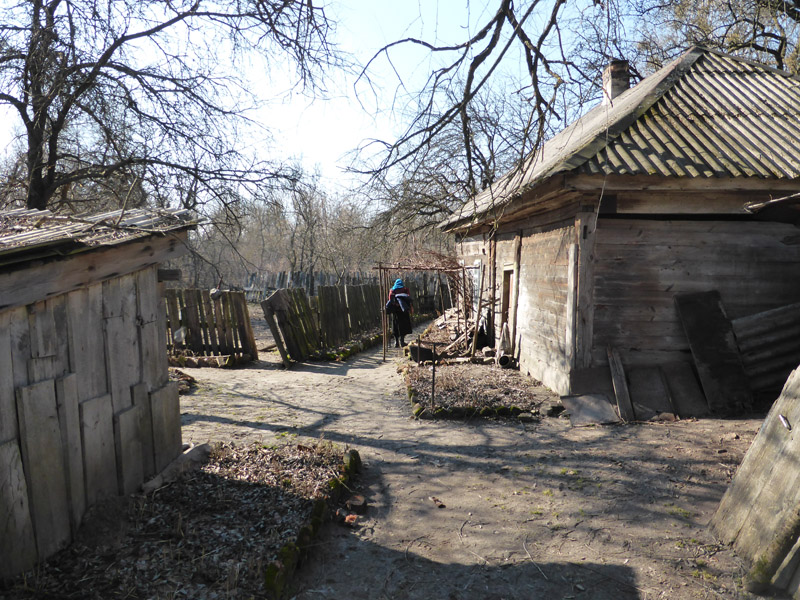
(71, 430)
(641, 264)
(542, 317)
(216, 326)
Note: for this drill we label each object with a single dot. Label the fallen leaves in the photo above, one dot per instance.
(207, 535)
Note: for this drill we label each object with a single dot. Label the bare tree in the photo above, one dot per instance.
(468, 124)
(436, 179)
(764, 30)
(448, 151)
(144, 95)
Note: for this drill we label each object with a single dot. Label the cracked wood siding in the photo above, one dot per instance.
(641, 264)
(473, 252)
(542, 318)
(505, 260)
(97, 336)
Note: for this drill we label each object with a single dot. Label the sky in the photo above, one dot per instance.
(322, 131)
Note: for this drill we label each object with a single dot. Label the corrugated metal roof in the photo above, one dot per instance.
(726, 118)
(706, 114)
(26, 231)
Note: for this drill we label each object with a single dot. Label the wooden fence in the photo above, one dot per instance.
(260, 285)
(209, 326)
(430, 289)
(301, 326)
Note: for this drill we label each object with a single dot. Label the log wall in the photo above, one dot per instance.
(86, 409)
(640, 265)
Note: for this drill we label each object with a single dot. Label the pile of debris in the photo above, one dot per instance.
(453, 338)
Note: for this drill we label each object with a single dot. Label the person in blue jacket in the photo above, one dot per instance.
(401, 307)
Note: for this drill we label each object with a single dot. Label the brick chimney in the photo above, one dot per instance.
(616, 79)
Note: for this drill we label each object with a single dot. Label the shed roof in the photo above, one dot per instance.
(27, 234)
(705, 115)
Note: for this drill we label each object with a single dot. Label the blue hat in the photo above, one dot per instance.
(398, 283)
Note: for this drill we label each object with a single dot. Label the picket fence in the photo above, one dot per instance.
(261, 285)
(217, 325)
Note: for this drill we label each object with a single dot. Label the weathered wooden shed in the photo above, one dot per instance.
(643, 198)
(86, 408)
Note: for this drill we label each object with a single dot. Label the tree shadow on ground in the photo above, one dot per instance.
(348, 567)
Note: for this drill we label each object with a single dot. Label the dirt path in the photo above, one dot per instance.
(535, 510)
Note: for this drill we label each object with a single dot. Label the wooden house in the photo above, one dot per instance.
(653, 193)
(86, 408)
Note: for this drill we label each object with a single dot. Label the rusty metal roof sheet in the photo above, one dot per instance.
(707, 114)
(27, 232)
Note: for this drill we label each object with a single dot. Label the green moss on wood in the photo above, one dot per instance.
(352, 462)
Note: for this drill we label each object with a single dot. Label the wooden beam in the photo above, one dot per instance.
(614, 183)
(572, 306)
(38, 281)
(169, 275)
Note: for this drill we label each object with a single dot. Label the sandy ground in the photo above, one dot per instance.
(531, 510)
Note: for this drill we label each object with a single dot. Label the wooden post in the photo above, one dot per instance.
(433, 379)
(586, 228)
(384, 317)
(572, 303)
(517, 276)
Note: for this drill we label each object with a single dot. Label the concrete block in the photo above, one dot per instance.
(43, 458)
(99, 453)
(17, 543)
(590, 409)
(166, 413)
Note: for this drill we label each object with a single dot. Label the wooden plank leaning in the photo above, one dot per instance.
(244, 325)
(620, 386)
(716, 356)
(278, 306)
(269, 317)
